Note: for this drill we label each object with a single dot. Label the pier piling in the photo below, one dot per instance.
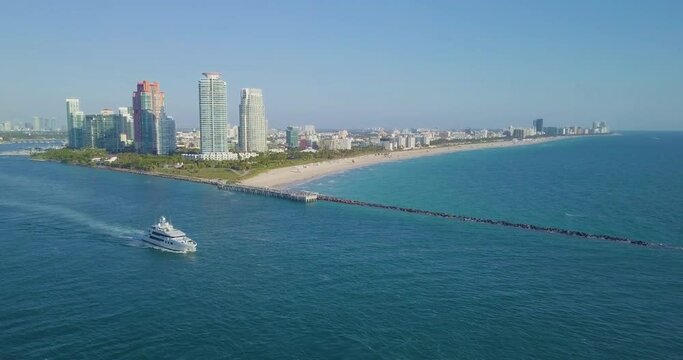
(301, 196)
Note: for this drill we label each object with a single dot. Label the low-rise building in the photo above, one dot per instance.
(221, 156)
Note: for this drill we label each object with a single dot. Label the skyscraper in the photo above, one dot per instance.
(538, 125)
(102, 131)
(213, 113)
(74, 123)
(48, 124)
(127, 123)
(148, 105)
(37, 123)
(292, 135)
(252, 131)
(167, 139)
(43, 124)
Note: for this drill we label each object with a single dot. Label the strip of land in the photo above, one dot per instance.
(288, 176)
(271, 170)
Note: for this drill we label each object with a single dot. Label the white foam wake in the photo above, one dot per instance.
(70, 215)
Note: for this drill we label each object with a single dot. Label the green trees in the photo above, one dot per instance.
(71, 156)
(230, 170)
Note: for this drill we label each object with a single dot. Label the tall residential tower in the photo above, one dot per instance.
(167, 135)
(127, 125)
(148, 107)
(292, 137)
(74, 123)
(213, 113)
(252, 131)
(102, 131)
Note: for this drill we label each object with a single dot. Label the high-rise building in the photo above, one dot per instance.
(103, 131)
(43, 124)
(74, 123)
(252, 131)
(128, 124)
(292, 135)
(148, 105)
(519, 133)
(550, 131)
(49, 124)
(538, 125)
(213, 113)
(167, 143)
(599, 127)
(37, 123)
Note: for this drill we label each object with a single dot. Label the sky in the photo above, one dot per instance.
(355, 64)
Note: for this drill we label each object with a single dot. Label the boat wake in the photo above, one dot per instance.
(64, 213)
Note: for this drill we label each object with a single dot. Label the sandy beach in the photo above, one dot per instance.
(288, 176)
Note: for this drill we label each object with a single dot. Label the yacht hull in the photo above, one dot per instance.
(171, 247)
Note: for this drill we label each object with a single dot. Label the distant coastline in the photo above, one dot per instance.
(286, 177)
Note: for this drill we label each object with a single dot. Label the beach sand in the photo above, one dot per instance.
(291, 175)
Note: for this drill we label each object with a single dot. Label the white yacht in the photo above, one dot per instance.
(164, 235)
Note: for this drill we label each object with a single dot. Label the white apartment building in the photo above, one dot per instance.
(252, 129)
(213, 113)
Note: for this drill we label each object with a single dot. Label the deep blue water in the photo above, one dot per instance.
(277, 279)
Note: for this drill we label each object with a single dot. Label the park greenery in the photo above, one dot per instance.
(230, 170)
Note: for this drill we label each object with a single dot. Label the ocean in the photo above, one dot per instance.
(279, 279)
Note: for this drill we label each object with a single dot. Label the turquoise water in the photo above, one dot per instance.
(277, 279)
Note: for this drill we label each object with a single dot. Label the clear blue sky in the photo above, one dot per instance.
(450, 64)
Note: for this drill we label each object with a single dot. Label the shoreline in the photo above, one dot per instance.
(290, 176)
(161, 175)
(145, 173)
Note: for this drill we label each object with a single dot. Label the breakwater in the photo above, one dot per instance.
(308, 197)
(551, 230)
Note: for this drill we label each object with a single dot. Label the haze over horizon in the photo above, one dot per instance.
(354, 64)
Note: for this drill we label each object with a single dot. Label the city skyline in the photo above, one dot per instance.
(485, 65)
(144, 125)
